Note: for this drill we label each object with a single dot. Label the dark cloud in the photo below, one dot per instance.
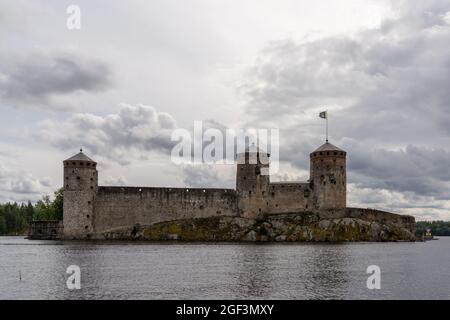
(420, 170)
(120, 137)
(35, 79)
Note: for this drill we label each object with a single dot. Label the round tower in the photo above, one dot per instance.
(80, 188)
(328, 177)
(252, 181)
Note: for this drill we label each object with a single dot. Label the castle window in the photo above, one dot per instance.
(259, 210)
(89, 202)
(263, 192)
(245, 178)
(81, 163)
(335, 153)
(67, 186)
(320, 153)
(324, 183)
(306, 206)
(249, 193)
(92, 179)
(328, 153)
(78, 178)
(74, 163)
(92, 187)
(88, 216)
(273, 194)
(276, 205)
(86, 227)
(67, 178)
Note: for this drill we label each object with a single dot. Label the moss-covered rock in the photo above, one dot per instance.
(307, 226)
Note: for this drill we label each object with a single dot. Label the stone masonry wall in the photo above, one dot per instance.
(287, 197)
(118, 207)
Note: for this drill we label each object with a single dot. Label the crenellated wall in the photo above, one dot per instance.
(118, 207)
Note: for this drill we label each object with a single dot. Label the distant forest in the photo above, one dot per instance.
(438, 228)
(14, 217)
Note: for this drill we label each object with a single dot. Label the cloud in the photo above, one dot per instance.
(423, 171)
(20, 186)
(39, 79)
(132, 132)
(208, 176)
(384, 81)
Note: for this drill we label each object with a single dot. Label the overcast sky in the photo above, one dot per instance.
(137, 70)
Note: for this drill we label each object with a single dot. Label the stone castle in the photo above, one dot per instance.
(90, 209)
(104, 212)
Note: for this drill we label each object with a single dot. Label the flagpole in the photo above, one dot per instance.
(327, 127)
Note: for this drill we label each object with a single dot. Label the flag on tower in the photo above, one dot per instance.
(323, 114)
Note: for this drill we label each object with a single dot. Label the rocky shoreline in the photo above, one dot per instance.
(350, 224)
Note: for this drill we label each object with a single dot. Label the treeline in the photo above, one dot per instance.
(438, 228)
(14, 217)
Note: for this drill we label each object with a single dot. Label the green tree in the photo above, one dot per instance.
(29, 211)
(44, 209)
(2, 224)
(58, 204)
(438, 228)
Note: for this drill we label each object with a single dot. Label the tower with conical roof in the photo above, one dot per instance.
(80, 188)
(252, 181)
(328, 177)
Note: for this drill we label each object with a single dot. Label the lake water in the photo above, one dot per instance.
(223, 271)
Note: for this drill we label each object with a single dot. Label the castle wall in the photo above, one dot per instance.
(118, 207)
(288, 197)
(46, 230)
